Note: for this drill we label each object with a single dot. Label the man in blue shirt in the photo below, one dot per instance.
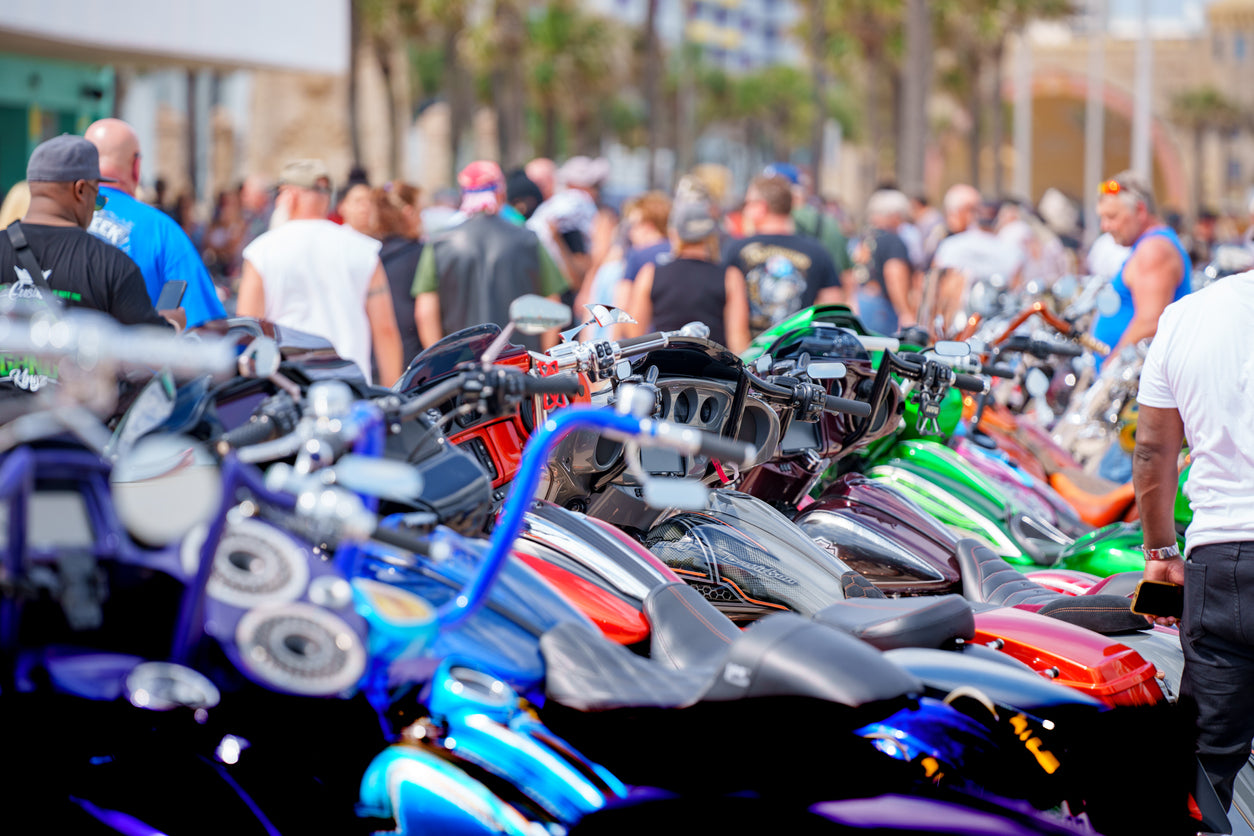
(149, 236)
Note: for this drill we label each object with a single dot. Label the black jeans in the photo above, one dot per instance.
(1217, 633)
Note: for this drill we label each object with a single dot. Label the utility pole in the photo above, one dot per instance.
(1022, 184)
(1143, 90)
(1094, 116)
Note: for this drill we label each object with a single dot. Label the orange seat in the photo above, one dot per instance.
(1098, 501)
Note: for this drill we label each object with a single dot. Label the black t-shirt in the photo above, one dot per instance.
(783, 274)
(885, 246)
(85, 272)
(400, 262)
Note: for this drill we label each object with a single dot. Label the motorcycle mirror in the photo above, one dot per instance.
(683, 494)
(695, 329)
(622, 371)
(826, 370)
(1108, 302)
(165, 486)
(1036, 382)
(1065, 287)
(951, 348)
(260, 359)
(604, 315)
(161, 686)
(763, 364)
(385, 478)
(532, 314)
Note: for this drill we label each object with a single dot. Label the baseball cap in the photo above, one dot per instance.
(305, 174)
(786, 170)
(479, 176)
(64, 159)
(692, 221)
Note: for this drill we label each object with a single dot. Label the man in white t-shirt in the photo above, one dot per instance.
(1198, 383)
(972, 253)
(314, 275)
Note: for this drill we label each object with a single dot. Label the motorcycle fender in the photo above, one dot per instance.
(427, 795)
(1069, 655)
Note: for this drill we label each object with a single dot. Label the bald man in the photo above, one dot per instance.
(149, 236)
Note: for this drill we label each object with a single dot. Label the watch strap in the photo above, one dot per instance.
(1164, 553)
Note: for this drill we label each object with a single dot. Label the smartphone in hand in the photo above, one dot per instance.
(171, 295)
(1158, 599)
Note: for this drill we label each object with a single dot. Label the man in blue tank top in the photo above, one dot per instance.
(1156, 272)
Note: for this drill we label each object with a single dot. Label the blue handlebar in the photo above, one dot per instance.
(523, 488)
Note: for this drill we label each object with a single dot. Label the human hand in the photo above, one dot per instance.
(176, 317)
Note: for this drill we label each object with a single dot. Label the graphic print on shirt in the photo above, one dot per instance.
(26, 373)
(25, 287)
(113, 229)
(776, 280)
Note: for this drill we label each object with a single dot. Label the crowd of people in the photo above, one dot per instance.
(383, 270)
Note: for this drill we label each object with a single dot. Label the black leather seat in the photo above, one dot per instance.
(890, 623)
(987, 578)
(685, 629)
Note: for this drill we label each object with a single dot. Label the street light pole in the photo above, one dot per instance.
(1094, 116)
(1143, 90)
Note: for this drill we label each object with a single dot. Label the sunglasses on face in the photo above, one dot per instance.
(101, 200)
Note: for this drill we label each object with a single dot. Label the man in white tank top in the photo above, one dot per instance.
(316, 276)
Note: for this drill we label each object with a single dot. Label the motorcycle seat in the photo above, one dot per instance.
(890, 623)
(782, 655)
(1098, 501)
(987, 578)
(686, 629)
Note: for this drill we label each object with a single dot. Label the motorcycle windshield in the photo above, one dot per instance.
(464, 346)
(754, 552)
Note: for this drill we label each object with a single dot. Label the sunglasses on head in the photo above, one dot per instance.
(1114, 187)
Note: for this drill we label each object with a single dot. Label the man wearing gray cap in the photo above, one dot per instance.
(49, 254)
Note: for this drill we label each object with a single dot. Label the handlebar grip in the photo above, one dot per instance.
(558, 384)
(861, 409)
(1094, 345)
(1057, 349)
(254, 432)
(971, 383)
(631, 343)
(401, 540)
(726, 449)
(999, 370)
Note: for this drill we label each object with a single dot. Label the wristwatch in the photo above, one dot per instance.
(1165, 553)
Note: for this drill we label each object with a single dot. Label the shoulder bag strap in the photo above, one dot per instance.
(17, 236)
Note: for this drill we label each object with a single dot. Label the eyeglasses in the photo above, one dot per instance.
(101, 200)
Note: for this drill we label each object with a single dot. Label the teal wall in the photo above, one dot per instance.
(40, 99)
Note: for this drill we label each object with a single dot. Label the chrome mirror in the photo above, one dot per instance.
(951, 348)
(532, 314)
(260, 359)
(683, 494)
(1036, 382)
(165, 486)
(1065, 287)
(826, 370)
(386, 478)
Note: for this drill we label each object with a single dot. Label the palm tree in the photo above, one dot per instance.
(1201, 110)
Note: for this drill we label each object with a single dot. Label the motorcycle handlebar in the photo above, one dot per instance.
(999, 370)
(558, 384)
(259, 429)
(401, 539)
(971, 383)
(861, 409)
(1093, 344)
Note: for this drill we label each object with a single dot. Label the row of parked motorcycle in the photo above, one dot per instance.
(846, 583)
